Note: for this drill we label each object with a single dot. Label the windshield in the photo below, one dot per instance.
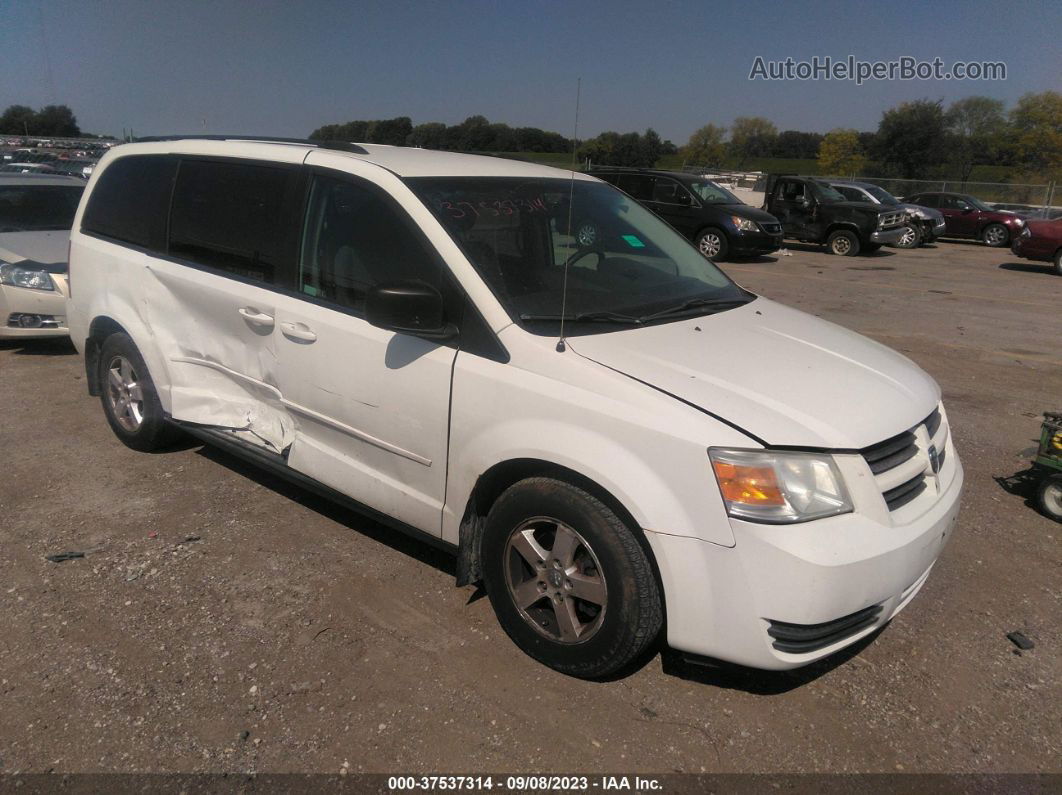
(36, 208)
(713, 193)
(624, 262)
(881, 194)
(826, 194)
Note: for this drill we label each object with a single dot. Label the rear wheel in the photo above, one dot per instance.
(586, 233)
(842, 243)
(568, 580)
(1050, 496)
(995, 235)
(712, 243)
(129, 399)
(1058, 262)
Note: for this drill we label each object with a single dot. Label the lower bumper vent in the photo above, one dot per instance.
(803, 638)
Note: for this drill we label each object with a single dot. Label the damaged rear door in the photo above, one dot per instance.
(371, 406)
(232, 240)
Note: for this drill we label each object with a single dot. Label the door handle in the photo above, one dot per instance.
(254, 317)
(299, 332)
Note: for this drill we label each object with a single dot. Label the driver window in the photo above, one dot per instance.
(670, 192)
(353, 240)
(790, 191)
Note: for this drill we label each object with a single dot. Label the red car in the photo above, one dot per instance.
(965, 216)
(1041, 240)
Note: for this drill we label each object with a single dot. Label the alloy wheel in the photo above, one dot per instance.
(909, 237)
(710, 244)
(555, 581)
(124, 394)
(586, 235)
(995, 235)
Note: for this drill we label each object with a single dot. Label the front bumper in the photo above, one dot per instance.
(753, 243)
(20, 306)
(738, 603)
(887, 237)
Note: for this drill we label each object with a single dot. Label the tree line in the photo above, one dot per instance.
(918, 139)
(52, 120)
(474, 134)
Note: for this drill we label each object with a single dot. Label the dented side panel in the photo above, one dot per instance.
(217, 336)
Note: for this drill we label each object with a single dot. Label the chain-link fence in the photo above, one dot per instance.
(1020, 197)
(1026, 196)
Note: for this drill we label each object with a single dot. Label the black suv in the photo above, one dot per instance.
(713, 218)
(811, 211)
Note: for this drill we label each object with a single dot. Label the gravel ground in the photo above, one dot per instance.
(222, 620)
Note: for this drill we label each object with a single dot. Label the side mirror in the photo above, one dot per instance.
(684, 199)
(410, 307)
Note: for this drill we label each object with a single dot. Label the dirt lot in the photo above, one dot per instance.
(224, 621)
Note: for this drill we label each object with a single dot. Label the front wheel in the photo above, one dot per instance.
(129, 399)
(712, 244)
(568, 580)
(909, 237)
(995, 235)
(1050, 497)
(842, 243)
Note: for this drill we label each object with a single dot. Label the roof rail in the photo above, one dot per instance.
(342, 146)
(596, 167)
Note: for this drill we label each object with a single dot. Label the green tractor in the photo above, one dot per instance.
(1048, 461)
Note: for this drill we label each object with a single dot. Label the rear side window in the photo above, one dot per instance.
(130, 200)
(639, 186)
(234, 217)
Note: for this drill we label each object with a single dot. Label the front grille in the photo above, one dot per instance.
(902, 464)
(892, 452)
(772, 229)
(901, 495)
(885, 220)
(804, 638)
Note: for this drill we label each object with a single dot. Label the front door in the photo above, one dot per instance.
(676, 205)
(371, 406)
(959, 217)
(792, 206)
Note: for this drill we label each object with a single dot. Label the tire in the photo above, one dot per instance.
(842, 243)
(1058, 262)
(619, 610)
(586, 233)
(912, 237)
(995, 235)
(1049, 497)
(129, 399)
(712, 243)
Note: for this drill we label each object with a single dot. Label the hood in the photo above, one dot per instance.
(782, 376)
(746, 211)
(922, 212)
(50, 248)
(864, 207)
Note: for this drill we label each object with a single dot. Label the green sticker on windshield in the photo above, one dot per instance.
(633, 241)
(309, 289)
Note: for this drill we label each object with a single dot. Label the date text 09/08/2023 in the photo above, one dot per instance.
(524, 783)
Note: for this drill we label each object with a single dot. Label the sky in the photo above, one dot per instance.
(285, 68)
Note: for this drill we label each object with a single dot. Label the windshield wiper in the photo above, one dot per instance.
(607, 317)
(696, 303)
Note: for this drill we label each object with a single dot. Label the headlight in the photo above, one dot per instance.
(777, 487)
(744, 224)
(23, 277)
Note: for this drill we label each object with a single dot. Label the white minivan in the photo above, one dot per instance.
(614, 438)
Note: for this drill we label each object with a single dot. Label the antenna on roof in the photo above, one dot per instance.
(571, 199)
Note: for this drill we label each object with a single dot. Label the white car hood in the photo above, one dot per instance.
(780, 375)
(49, 248)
